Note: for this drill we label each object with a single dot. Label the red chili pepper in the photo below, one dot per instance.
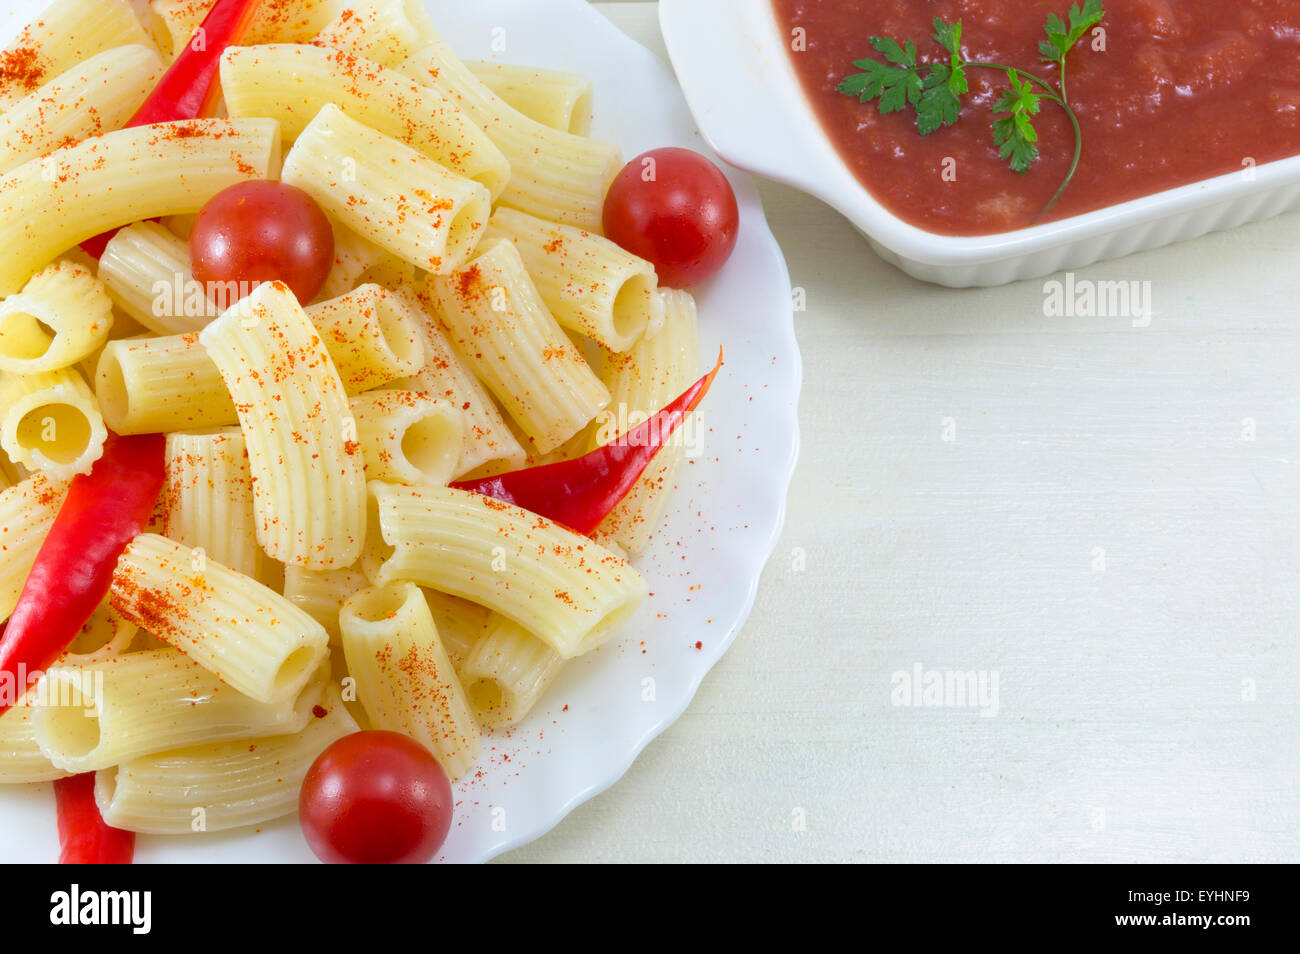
(580, 493)
(84, 838)
(189, 88)
(103, 512)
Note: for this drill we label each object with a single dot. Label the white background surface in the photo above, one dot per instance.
(1099, 534)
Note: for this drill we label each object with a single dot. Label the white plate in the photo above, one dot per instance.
(716, 44)
(723, 523)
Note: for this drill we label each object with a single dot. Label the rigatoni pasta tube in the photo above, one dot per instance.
(50, 204)
(90, 99)
(51, 422)
(553, 98)
(321, 593)
(61, 316)
(249, 636)
(292, 83)
(658, 368)
(157, 385)
(460, 624)
(107, 633)
(553, 174)
(232, 783)
(68, 32)
(208, 499)
(404, 679)
(308, 472)
(274, 21)
(506, 672)
(358, 261)
(21, 759)
(27, 510)
(499, 324)
(445, 376)
(569, 591)
(386, 31)
(371, 335)
(146, 269)
(590, 285)
(408, 437)
(387, 192)
(146, 702)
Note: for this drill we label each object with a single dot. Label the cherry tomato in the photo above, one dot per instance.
(375, 798)
(677, 210)
(262, 231)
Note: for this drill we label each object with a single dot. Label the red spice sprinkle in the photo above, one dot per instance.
(22, 68)
(319, 711)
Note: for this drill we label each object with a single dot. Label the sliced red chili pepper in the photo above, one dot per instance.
(582, 492)
(103, 512)
(84, 837)
(189, 88)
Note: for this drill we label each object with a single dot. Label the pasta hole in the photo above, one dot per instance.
(59, 431)
(110, 389)
(487, 698)
(580, 121)
(70, 719)
(632, 307)
(378, 551)
(24, 337)
(97, 633)
(432, 446)
(295, 668)
(466, 228)
(379, 603)
(400, 336)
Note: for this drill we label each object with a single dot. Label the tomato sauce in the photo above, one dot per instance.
(1182, 90)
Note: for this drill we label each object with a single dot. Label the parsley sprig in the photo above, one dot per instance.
(934, 91)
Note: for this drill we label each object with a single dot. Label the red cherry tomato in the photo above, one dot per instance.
(259, 232)
(677, 210)
(375, 798)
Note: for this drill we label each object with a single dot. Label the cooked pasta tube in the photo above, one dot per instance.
(27, 510)
(408, 437)
(68, 32)
(291, 84)
(93, 97)
(61, 316)
(498, 323)
(107, 633)
(404, 679)
(386, 31)
(446, 377)
(570, 592)
(308, 473)
(51, 422)
(387, 192)
(208, 499)
(553, 175)
(460, 624)
(146, 269)
(50, 204)
(553, 98)
(506, 672)
(657, 369)
(274, 21)
(321, 593)
(590, 285)
(219, 786)
(21, 759)
(249, 636)
(371, 335)
(358, 261)
(89, 718)
(157, 385)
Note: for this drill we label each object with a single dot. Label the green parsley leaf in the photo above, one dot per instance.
(1014, 134)
(895, 86)
(1060, 38)
(940, 103)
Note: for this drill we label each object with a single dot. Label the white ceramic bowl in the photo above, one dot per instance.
(732, 61)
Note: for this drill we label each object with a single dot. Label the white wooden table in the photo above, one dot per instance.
(1104, 517)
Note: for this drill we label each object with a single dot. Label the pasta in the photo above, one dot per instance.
(371, 337)
(68, 32)
(156, 385)
(567, 590)
(408, 437)
(152, 701)
(50, 204)
(93, 97)
(208, 499)
(275, 21)
(387, 192)
(506, 672)
(27, 510)
(590, 285)
(62, 315)
(404, 679)
(308, 475)
(146, 269)
(553, 98)
(358, 261)
(219, 786)
(321, 593)
(51, 422)
(21, 759)
(386, 31)
(498, 323)
(293, 83)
